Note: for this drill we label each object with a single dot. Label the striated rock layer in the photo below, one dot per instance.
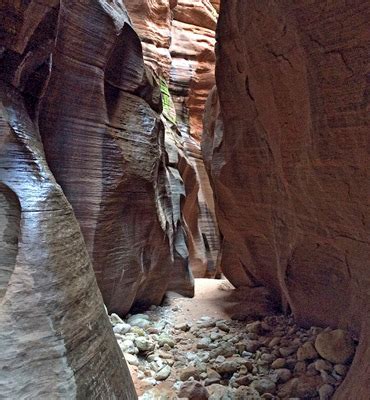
(178, 41)
(105, 147)
(290, 166)
(55, 337)
(193, 61)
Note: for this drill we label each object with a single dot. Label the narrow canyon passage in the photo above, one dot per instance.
(184, 200)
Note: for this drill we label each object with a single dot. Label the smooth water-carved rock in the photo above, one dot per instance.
(55, 337)
(199, 213)
(106, 149)
(290, 169)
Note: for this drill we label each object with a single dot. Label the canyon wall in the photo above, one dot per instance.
(104, 141)
(178, 41)
(287, 150)
(55, 338)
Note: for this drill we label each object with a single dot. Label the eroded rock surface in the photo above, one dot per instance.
(106, 149)
(55, 337)
(290, 165)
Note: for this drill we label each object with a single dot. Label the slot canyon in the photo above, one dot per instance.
(185, 199)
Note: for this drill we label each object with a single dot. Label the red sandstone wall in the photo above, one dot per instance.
(289, 162)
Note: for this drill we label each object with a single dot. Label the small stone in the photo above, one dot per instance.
(127, 346)
(244, 380)
(326, 378)
(306, 352)
(137, 331)
(206, 322)
(268, 358)
(278, 363)
(164, 339)
(163, 373)
(263, 385)
(223, 326)
(283, 375)
(227, 367)
(140, 320)
(326, 391)
(220, 392)
(287, 351)
(131, 359)
(182, 327)
(246, 393)
(255, 327)
(121, 328)
(159, 394)
(144, 344)
(274, 342)
(322, 365)
(204, 343)
(115, 319)
(252, 345)
(340, 369)
(188, 372)
(335, 346)
(193, 390)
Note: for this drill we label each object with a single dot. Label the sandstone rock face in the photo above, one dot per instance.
(199, 213)
(193, 59)
(106, 149)
(183, 34)
(55, 337)
(152, 20)
(290, 168)
(195, 206)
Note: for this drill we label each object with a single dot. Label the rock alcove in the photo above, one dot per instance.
(113, 191)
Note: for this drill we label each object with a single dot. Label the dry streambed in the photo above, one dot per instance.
(212, 358)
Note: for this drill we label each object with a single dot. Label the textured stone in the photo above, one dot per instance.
(55, 336)
(193, 390)
(106, 150)
(335, 346)
(289, 163)
(180, 50)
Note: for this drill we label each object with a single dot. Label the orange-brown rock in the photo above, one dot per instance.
(290, 168)
(106, 149)
(55, 338)
(199, 213)
(192, 68)
(152, 21)
(178, 40)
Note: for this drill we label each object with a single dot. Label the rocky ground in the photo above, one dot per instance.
(174, 351)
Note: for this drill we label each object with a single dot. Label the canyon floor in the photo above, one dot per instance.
(214, 346)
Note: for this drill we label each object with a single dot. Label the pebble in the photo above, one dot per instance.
(326, 391)
(228, 360)
(121, 328)
(263, 385)
(193, 390)
(163, 373)
(188, 372)
(278, 363)
(306, 352)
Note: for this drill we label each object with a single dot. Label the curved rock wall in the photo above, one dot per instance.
(178, 41)
(55, 338)
(290, 166)
(106, 149)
